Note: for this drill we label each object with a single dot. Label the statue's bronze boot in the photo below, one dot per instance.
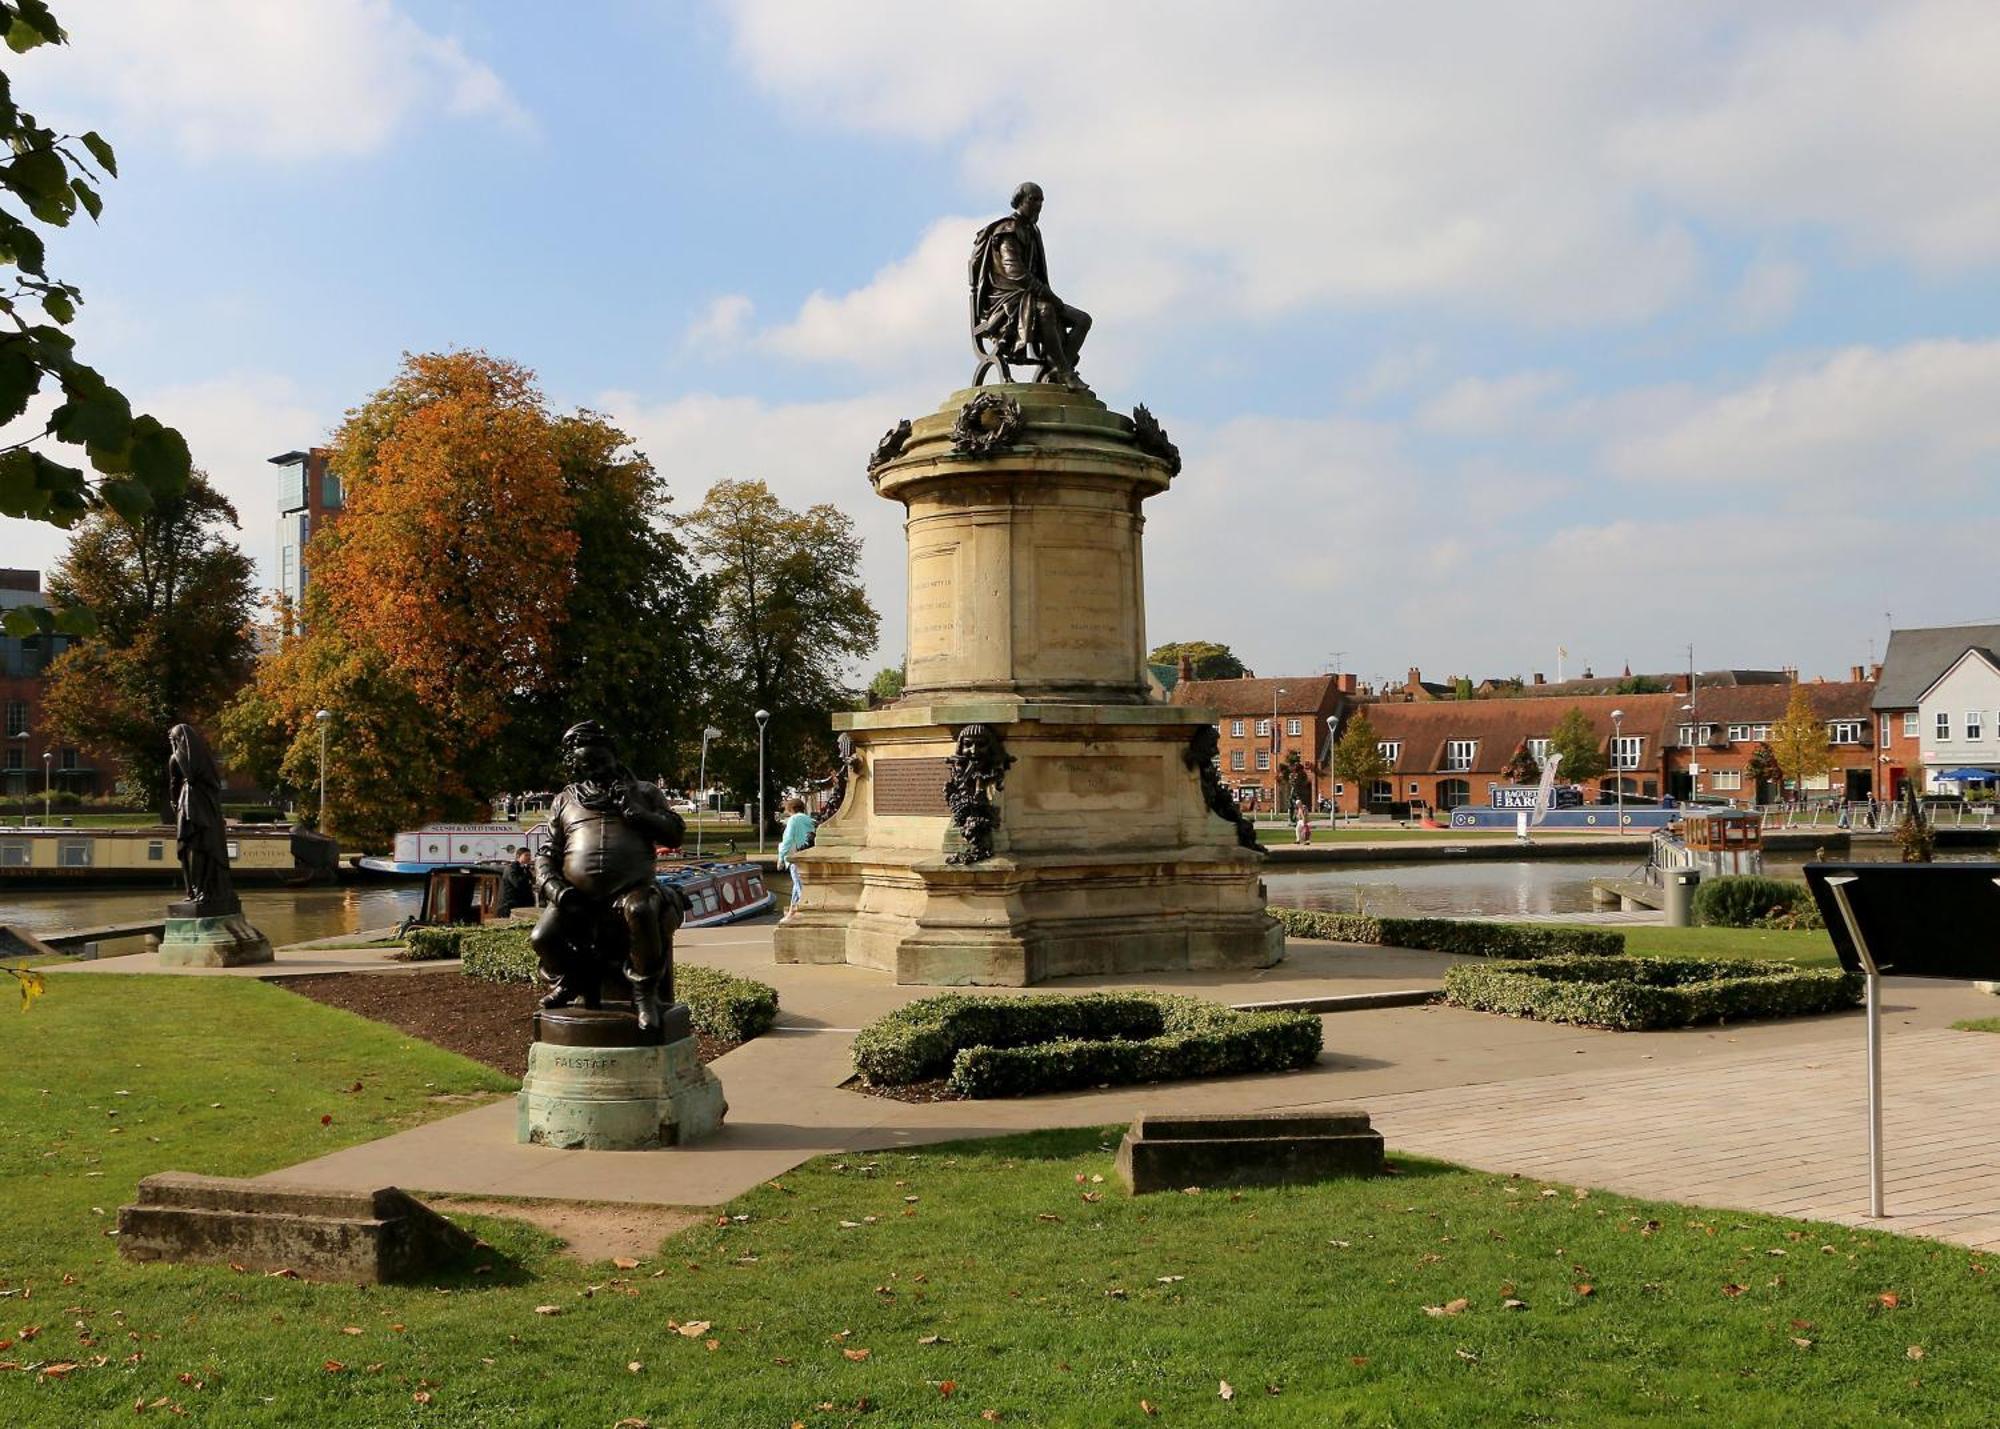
(646, 1001)
(560, 995)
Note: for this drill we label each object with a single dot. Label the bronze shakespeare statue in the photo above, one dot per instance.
(595, 874)
(1013, 306)
(201, 838)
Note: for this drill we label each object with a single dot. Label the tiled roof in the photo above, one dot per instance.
(1305, 694)
(1917, 657)
(1502, 726)
(1765, 704)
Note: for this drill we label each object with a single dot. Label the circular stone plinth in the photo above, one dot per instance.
(613, 1025)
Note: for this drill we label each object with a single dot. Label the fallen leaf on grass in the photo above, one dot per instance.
(1148, 1408)
(1049, 1217)
(1732, 1290)
(1357, 1359)
(633, 1366)
(625, 1262)
(856, 1355)
(1889, 1299)
(333, 1367)
(1450, 1307)
(352, 1330)
(1802, 1344)
(422, 1396)
(1226, 1391)
(1584, 1289)
(1169, 1279)
(548, 1309)
(933, 1340)
(946, 1386)
(1513, 1304)
(1465, 1354)
(991, 1416)
(1914, 1352)
(693, 1329)
(633, 1422)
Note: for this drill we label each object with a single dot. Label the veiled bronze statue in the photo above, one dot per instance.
(1013, 306)
(201, 837)
(596, 879)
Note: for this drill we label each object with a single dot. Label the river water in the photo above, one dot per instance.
(1539, 885)
(284, 915)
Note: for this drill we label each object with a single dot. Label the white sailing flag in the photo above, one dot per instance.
(1545, 791)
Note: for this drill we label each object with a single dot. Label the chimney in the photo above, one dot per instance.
(1184, 667)
(1790, 672)
(1345, 683)
(1416, 675)
(1538, 678)
(1875, 671)
(1856, 673)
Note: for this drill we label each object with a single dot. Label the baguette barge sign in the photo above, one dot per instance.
(1512, 796)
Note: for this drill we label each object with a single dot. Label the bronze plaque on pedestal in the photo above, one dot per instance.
(910, 786)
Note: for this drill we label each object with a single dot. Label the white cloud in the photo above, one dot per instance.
(721, 323)
(1917, 420)
(1394, 372)
(1509, 159)
(911, 311)
(1474, 406)
(331, 78)
(1768, 291)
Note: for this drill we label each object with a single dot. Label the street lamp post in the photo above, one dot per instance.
(1617, 762)
(1332, 803)
(48, 767)
(701, 815)
(322, 719)
(1280, 690)
(763, 718)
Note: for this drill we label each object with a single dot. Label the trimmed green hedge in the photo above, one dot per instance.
(721, 1004)
(1741, 900)
(426, 943)
(1020, 1046)
(1636, 994)
(1452, 935)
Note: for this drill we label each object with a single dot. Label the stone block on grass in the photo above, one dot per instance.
(1229, 1149)
(322, 1233)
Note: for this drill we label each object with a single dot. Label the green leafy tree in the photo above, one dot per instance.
(1210, 660)
(789, 616)
(627, 651)
(1581, 749)
(1291, 780)
(138, 461)
(172, 595)
(1357, 757)
(1640, 685)
(1521, 767)
(887, 684)
(1763, 768)
(1799, 741)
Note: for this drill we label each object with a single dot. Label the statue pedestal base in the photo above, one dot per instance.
(596, 1083)
(226, 942)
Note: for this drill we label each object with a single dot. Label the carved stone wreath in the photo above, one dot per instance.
(890, 447)
(986, 424)
(1151, 438)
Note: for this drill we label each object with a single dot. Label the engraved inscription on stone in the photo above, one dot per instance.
(584, 1064)
(934, 602)
(910, 786)
(1099, 783)
(1082, 596)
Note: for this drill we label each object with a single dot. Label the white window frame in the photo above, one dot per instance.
(73, 853)
(1725, 779)
(1627, 750)
(1887, 735)
(1236, 728)
(1263, 729)
(1389, 749)
(1459, 754)
(1263, 761)
(1943, 726)
(1844, 731)
(1975, 724)
(16, 853)
(1293, 726)
(1236, 762)
(1910, 725)
(1538, 750)
(1382, 791)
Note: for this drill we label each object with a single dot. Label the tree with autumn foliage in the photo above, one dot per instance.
(1799, 743)
(172, 597)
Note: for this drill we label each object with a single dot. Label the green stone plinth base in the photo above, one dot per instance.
(617, 1098)
(229, 942)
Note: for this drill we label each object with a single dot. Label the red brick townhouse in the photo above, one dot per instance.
(1253, 745)
(1714, 758)
(1445, 753)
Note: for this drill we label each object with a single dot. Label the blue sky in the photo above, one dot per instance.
(1483, 329)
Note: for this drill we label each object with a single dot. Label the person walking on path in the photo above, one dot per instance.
(1303, 832)
(798, 836)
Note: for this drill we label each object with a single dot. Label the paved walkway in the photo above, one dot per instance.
(1763, 1116)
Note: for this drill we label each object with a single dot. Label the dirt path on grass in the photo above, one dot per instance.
(590, 1231)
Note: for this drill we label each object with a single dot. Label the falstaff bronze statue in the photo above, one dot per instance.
(595, 875)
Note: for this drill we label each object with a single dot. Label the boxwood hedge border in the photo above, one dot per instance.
(1643, 994)
(721, 1004)
(1452, 935)
(991, 1046)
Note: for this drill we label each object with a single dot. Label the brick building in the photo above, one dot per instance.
(30, 760)
(1713, 756)
(1263, 721)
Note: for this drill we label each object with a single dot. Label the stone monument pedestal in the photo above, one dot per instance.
(229, 941)
(1027, 618)
(595, 1082)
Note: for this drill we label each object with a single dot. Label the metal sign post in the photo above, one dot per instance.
(1874, 982)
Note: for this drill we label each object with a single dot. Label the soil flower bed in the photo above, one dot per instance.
(1635, 994)
(1022, 1046)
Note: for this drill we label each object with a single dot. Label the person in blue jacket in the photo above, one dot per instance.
(798, 835)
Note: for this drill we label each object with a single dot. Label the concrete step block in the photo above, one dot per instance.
(1171, 1153)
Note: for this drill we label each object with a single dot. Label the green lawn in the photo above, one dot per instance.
(1274, 834)
(1000, 1271)
(1807, 947)
(1979, 1024)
